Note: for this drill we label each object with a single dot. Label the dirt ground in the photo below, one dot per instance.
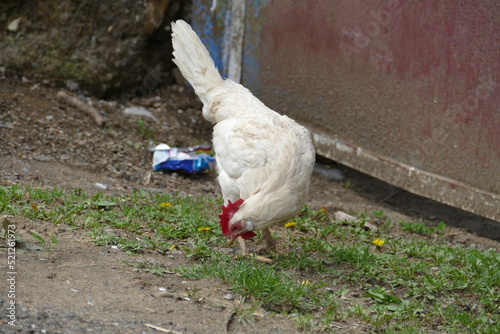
(78, 287)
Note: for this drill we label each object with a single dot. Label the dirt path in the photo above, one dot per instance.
(78, 287)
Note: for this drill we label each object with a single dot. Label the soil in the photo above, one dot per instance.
(79, 287)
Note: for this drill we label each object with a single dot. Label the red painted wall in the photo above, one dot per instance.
(415, 81)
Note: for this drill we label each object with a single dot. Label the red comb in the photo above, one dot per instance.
(227, 212)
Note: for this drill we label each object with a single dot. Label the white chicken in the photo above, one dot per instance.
(264, 159)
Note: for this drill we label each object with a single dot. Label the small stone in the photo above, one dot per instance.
(342, 216)
(166, 294)
(334, 174)
(14, 25)
(69, 315)
(228, 296)
(72, 86)
(139, 111)
(100, 186)
(42, 158)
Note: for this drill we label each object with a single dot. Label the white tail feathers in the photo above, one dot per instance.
(193, 59)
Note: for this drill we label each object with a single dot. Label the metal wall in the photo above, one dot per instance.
(406, 91)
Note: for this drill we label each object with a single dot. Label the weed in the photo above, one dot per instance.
(421, 228)
(142, 131)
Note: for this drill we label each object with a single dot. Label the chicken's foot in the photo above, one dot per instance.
(270, 244)
(247, 254)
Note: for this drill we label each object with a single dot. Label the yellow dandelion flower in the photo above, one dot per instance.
(306, 282)
(322, 210)
(290, 224)
(202, 229)
(378, 242)
(166, 204)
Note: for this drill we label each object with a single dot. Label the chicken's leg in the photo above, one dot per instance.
(268, 238)
(243, 246)
(245, 253)
(270, 243)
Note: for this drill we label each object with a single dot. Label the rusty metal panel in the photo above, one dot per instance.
(406, 91)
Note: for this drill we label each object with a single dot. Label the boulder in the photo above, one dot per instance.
(104, 46)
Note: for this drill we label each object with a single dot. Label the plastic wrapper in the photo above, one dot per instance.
(196, 159)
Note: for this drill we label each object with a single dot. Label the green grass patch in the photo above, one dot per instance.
(334, 272)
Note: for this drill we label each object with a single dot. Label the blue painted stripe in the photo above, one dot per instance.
(203, 21)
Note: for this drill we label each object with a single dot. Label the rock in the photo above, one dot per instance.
(72, 85)
(69, 315)
(14, 25)
(342, 216)
(139, 111)
(166, 294)
(102, 46)
(334, 174)
(100, 186)
(228, 296)
(370, 227)
(42, 158)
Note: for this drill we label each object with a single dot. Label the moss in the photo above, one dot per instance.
(52, 59)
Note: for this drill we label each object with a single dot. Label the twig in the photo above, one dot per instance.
(228, 321)
(147, 178)
(161, 329)
(82, 106)
(263, 259)
(394, 192)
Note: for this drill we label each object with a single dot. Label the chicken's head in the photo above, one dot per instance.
(236, 229)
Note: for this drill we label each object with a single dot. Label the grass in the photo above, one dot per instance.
(414, 281)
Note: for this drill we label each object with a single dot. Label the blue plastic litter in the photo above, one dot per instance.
(196, 159)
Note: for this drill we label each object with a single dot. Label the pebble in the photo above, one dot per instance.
(42, 158)
(69, 315)
(139, 111)
(100, 186)
(14, 25)
(228, 296)
(166, 294)
(334, 174)
(342, 216)
(72, 85)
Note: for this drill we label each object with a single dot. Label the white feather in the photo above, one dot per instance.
(263, 157)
